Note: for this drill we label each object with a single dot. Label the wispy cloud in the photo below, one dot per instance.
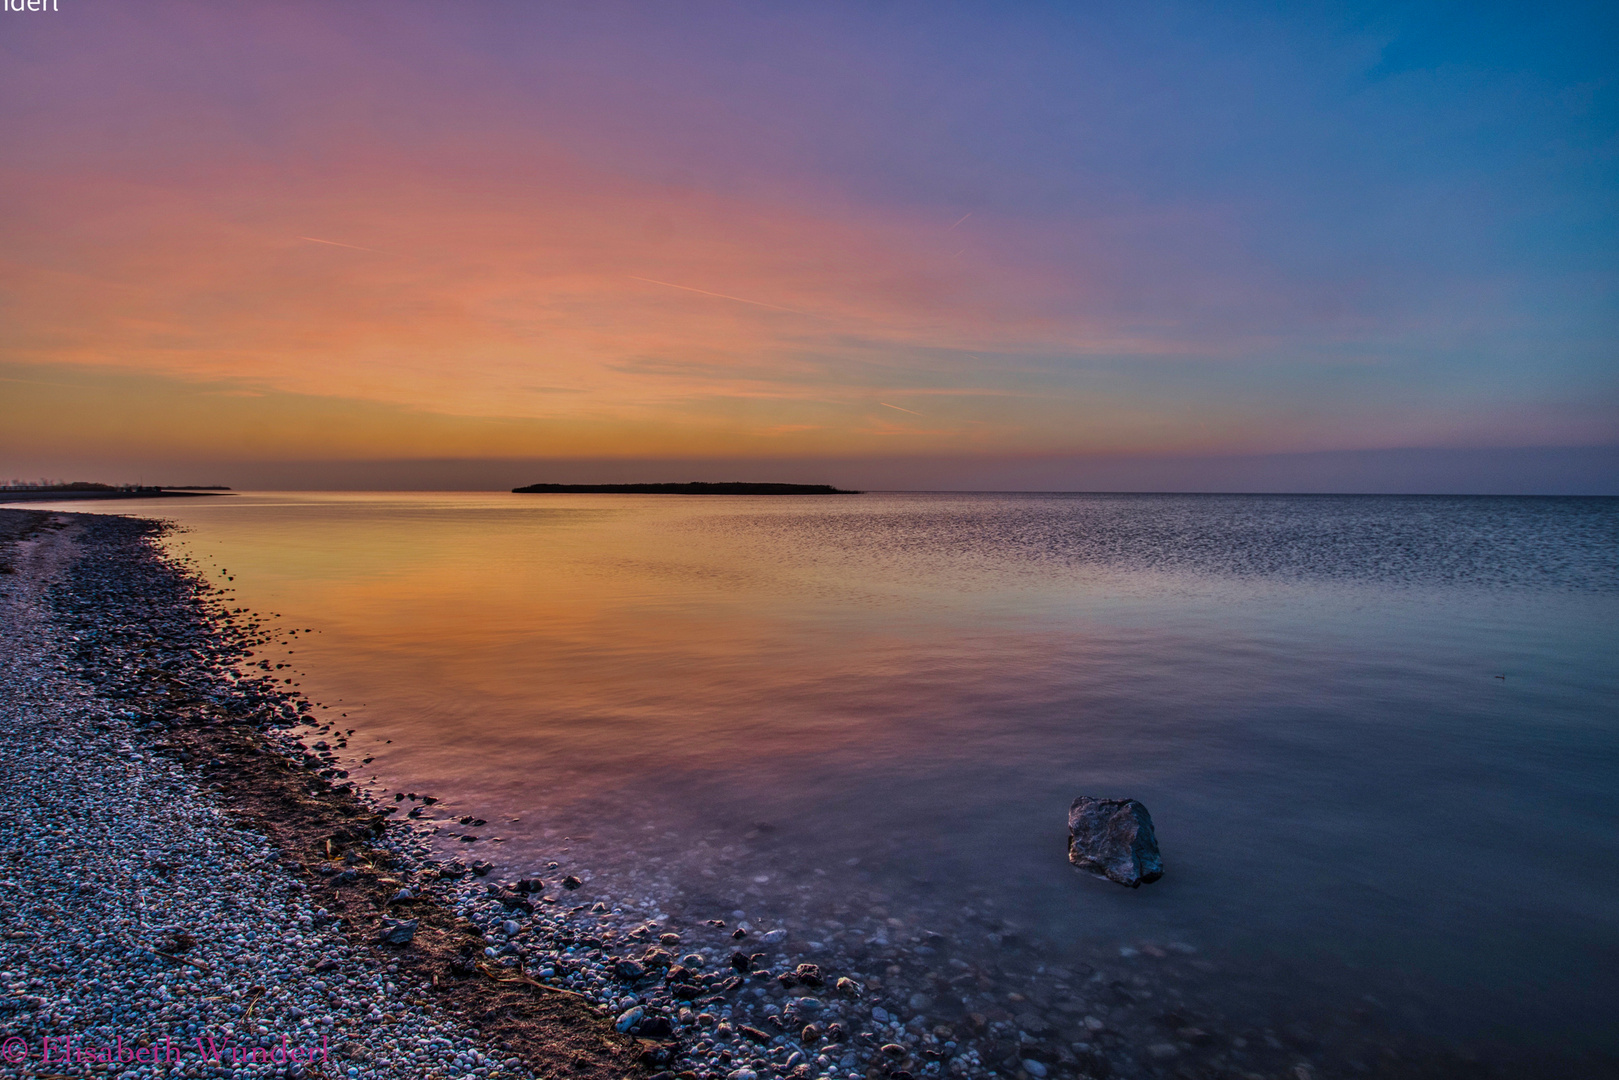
(726, 296)
(335, 243)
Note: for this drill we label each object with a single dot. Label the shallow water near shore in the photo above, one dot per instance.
(805, 709)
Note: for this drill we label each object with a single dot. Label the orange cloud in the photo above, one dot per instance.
(533, 288)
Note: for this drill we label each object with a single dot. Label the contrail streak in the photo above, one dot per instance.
(725, 296)
(334, 243)
(913, 412)
(959, 220)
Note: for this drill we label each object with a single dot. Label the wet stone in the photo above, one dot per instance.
(1114, 839)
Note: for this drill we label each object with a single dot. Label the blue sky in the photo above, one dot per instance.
(807, 232)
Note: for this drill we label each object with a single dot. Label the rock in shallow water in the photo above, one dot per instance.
(1113, 838)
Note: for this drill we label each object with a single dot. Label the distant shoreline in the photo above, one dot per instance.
(694, 488)
(138, 493)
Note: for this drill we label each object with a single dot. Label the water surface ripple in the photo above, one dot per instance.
(1377, 734)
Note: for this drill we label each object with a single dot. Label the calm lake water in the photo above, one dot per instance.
(791, 706)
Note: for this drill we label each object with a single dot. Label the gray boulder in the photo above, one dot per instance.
(1113, 838)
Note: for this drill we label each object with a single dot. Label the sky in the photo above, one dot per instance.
(295, 242)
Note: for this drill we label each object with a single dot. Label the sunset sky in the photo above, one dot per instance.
(239, 237)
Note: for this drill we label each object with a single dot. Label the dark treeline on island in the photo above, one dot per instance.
(694, 488)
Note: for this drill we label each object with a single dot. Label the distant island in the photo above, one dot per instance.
(694, 488)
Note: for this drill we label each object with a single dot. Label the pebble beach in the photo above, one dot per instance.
(192, 886)
(151, 931)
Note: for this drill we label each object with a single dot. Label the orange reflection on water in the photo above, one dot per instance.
(509, 642)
